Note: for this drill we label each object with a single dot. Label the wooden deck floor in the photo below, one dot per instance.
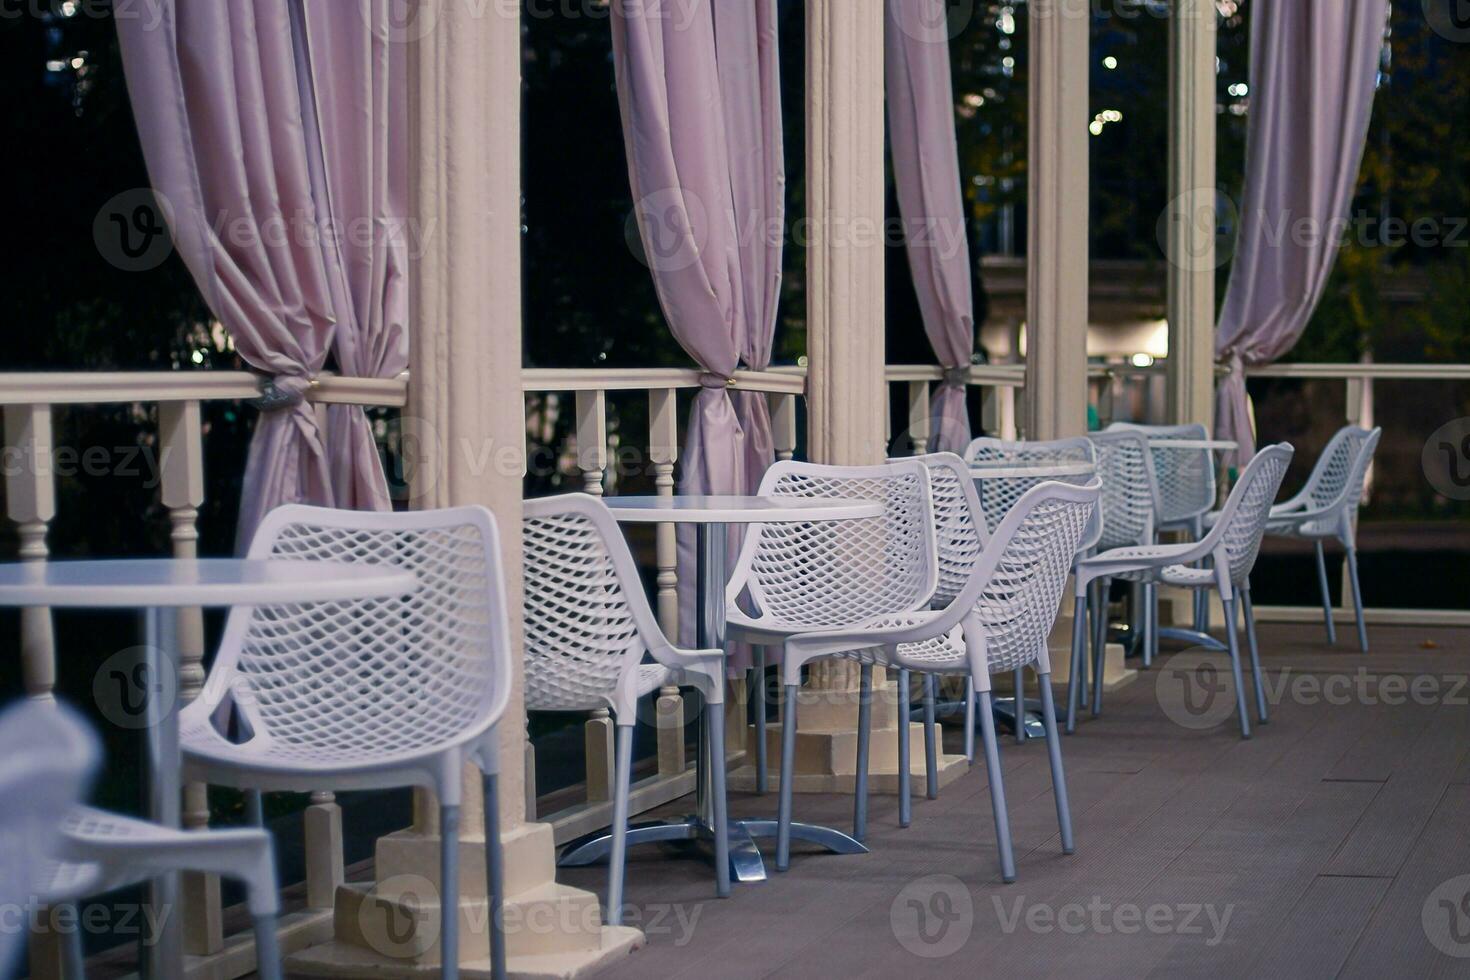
(1330, 845)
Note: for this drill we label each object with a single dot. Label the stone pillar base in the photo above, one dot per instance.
(1116, 672)
(391, 928)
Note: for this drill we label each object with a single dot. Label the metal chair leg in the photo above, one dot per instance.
(969, 722)
(1150, 623)
(997, 789)
(1020, 713)
(1234, 641)
(905, 798)
(1077, 681)
(931, 746)
(267, 950)
(1250, 639)
(1058, 774)
(1099, 650)
(618, 860)
(1326, 595)
(762, 773)
(715, 721)
(1096, 607)
(254, 808)
(788, 774)
(449, 892)
(1352, 562)
(864, 732)
(495, 876)
(73, 957)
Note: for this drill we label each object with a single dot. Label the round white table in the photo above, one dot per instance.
(157, 586)
(712, 516)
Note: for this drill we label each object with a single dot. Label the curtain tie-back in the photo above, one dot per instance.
(714, 381)
(283, 392)
(957, 377)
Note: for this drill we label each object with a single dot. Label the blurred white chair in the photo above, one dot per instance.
(372, 694)
(1227, 554)
(808, 577)
(588, 627)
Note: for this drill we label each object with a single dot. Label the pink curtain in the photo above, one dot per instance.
(699, 90)
(1314, 68)
(248, 134)
(926, 169)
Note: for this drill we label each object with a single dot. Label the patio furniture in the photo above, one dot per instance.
(1129, 509)
(998, 622)
(157, 586)
(1003, 472)
(712, 517)
(588, 629)
(805, 577)
(1226, 556)
(1327, 508)
(399, 686)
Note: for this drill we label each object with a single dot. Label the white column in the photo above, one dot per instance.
(1191, 219)
(1056, 267)
(466, 413)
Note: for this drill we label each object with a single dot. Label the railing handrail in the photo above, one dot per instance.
(788, 381)
(1005, 375)
(102, 387)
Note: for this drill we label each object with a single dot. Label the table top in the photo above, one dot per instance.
(697, 509)
(136, 583)
(1008, 470)
(1217, 444)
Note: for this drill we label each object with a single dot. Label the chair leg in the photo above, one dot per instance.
(1099, 650)
(1326, 595)
(758, 674)
(905, 798)
(1352, 562)
(267, 950)
(1150, 623)
(495, 876)
(997, 789)
(1020, 682)
(788, 774)
(1076, 683)
(969, 722)
(618, 861)
(1058, 774)
(931, 746)
(254, 808)
(1095, 609)
(449, 892)
(1234, 641)
(864, 734)
(715, 720)
(1250, 640)
(73, 957)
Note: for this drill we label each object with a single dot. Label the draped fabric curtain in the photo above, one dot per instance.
(1314, 69)
(926, 170)
(232, 104)
(699, 93)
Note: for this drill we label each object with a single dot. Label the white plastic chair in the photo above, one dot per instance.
(1226, 556)
(805, 577)
(1326, 508)
(92, 851)
(998, 622)
(372, 694)
(1130, 505)
(588, 628)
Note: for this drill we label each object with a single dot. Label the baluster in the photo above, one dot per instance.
(783, 424)
(1007, 409)
(663, 451)
(920, 430)
(30, 496)
(592, 440)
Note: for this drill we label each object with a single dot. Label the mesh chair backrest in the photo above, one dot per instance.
(329, 680)
(1129, 493)
(47, 758)
(958, 523)
(999, 494)
(586, 616)
(832, 573)
(1242, 521)
(1030, 557)
(1337, 478)
(1185, 476)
